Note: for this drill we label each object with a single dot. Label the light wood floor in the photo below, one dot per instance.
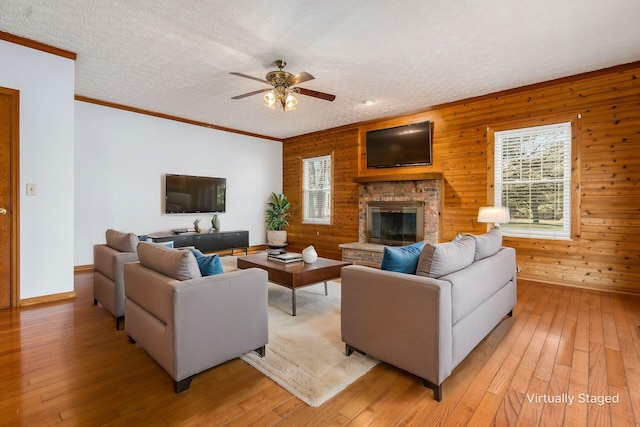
(65, 364)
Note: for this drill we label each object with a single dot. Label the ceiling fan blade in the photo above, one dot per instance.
(255, 92)
(300, 78)
(316, 94)
(250, 77)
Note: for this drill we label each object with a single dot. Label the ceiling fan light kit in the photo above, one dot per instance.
(283, 90)
(282, 94)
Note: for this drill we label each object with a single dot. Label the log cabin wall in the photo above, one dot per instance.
(343, 146)
(605, 254)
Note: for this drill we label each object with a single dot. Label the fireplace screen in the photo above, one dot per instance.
(395, 223)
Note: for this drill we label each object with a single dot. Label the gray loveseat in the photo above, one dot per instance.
(426, 323)
(188, 323)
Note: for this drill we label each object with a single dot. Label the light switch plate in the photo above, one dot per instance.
(31, 189)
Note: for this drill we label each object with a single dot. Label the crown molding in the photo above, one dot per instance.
(37, 45)
(170, 117)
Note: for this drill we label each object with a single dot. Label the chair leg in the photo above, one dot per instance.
(510, 314)
(261, 351)
(119, 321)
(182, 385)
(95, 301)
(348, 350)
(437, 389)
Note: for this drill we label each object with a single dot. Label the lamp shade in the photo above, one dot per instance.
(494, 214)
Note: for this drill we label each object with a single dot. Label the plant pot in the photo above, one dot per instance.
(276, 237)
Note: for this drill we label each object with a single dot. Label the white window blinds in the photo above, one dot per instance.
(533, 179)
(317, 190)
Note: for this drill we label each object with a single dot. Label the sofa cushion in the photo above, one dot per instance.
(444, 258)
(209, 265)
(401, 259)
(177, 264)
(123, 242)
(487, 244)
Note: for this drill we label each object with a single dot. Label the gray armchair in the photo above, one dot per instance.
(108, 279)
(188, 323)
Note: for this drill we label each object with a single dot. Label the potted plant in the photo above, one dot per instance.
(276, 218)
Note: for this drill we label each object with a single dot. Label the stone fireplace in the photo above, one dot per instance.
(394, 223)
(423, 192)
(417, 198)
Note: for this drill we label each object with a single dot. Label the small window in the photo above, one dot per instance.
(317, 182)
(533, 178)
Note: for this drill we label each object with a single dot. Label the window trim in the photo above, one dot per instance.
(311, 221)
(574, 119)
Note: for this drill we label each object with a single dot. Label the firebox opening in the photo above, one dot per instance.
(395, 223)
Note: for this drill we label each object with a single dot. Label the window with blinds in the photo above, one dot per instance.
(533, 179)
(316, 199)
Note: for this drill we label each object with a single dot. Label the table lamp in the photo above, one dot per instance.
(494, 214)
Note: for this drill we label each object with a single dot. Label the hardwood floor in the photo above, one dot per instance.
(65, 364)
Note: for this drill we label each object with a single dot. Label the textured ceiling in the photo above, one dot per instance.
(174, 57)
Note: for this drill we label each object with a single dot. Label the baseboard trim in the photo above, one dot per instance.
(619, 290)
(48, 298)
(83, 268)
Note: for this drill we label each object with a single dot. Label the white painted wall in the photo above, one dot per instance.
(120, 160)
(46, 85)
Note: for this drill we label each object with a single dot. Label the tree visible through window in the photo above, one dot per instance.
(533, 179)
(317, 189)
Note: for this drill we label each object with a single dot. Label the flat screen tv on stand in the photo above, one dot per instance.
(194, 194)
(408, 145)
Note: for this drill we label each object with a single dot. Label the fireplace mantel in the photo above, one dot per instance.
(420, 176)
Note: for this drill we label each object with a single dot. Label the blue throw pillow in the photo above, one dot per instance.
(402, 259)
(209, 264)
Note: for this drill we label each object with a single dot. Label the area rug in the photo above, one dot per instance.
(305, 354)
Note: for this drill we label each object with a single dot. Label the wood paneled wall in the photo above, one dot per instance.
(343, 147)
(606, 252)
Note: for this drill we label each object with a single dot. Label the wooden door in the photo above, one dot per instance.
(8, 197)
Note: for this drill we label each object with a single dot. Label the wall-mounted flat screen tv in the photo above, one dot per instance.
(408, 145)
(194, 194)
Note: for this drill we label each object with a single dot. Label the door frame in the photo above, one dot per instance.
(14, 159)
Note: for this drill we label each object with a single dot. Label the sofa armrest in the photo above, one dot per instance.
(103, 259)
(150, 290)
(110, 262)
(119, 260)
(402, 319)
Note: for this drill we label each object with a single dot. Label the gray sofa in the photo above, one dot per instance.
(108, 278)
(426, 323)
(188, 323)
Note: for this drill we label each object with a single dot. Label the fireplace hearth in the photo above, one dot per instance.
(394, 223)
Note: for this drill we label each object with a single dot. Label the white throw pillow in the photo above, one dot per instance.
(445, 258)
(123, 242)
(487, 244)
(178, 264)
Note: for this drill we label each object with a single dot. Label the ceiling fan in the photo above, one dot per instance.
(283, 87)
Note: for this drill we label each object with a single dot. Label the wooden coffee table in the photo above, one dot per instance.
(294, 275)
